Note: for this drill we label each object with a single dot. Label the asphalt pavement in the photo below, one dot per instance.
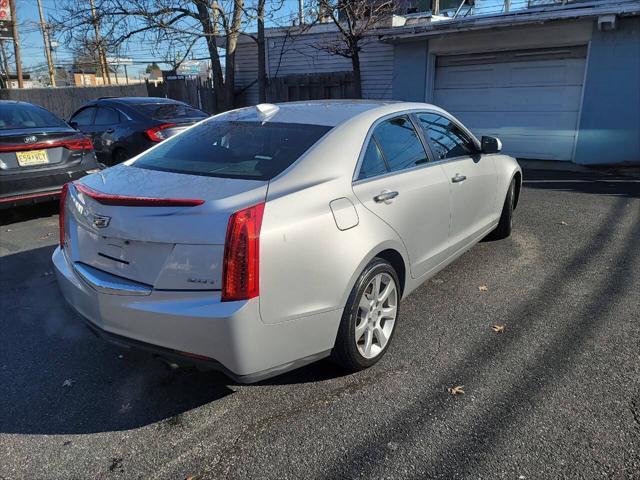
(554, 393)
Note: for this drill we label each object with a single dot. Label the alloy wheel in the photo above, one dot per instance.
(376, 317)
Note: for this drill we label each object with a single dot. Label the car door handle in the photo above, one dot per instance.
(109, 130)
(385, 197)
(458, 178)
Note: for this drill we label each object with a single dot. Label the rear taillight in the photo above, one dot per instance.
(156, 134)
(78, 144)
(240, 272)
(83, 143)
(63, 204)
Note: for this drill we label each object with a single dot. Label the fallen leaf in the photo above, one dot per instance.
(68, 383)
(498, 328)
(563, 223)
(45, 236)
(458, 390)
(392, 446)
(483, 288)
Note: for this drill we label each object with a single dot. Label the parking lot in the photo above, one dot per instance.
(554, 394)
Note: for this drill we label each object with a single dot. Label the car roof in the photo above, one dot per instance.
(138, 100)
(321, 112)
(19, 102)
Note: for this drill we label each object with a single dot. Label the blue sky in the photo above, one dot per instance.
(33, 55)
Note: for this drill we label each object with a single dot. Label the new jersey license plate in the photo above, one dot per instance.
(32, 157)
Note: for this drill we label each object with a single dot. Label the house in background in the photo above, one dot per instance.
(554, 79)
(12, 81)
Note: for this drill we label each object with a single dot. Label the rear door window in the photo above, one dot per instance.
(249, 150)
(84, 117)
(373, 163)
(106, 116)
(400, 144)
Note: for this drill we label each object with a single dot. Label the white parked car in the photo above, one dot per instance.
(266, 238)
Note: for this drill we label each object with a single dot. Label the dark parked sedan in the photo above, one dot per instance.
(39, 153)
(122, 127)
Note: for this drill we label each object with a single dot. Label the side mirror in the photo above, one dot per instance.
(491, 145)
(74, 125)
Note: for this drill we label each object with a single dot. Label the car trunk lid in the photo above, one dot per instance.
(162, 229)
(32, 149)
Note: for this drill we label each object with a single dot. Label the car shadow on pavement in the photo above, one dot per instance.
(28, 212)
(627, 187)
(319, 371)
(559, 355)
(56, 377)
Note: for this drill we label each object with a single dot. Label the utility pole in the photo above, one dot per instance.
(16, 42)
(301, 12)
(101, 55)
(47, 45)
(262, 78)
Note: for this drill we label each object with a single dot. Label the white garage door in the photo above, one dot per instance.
(530, 99)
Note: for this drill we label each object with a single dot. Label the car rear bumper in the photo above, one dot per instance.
(197, 327)
(32, 187)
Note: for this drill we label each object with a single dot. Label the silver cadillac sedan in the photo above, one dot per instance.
(265, 238)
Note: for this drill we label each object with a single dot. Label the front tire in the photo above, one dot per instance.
(505, 225)
(369, 318)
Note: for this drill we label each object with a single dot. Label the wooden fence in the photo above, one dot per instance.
(63, 101)
(318, 86)
(194, 91)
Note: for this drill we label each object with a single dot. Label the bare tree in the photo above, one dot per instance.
(355, 20)
(5, 60)
(88, 56)
(260, 14)
(163, 24)
(262, 73)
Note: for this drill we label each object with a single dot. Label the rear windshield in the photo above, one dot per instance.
(170, 111)
(249, 150)
(20, 115)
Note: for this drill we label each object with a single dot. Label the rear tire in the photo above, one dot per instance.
(505, 225)
(369, 318)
